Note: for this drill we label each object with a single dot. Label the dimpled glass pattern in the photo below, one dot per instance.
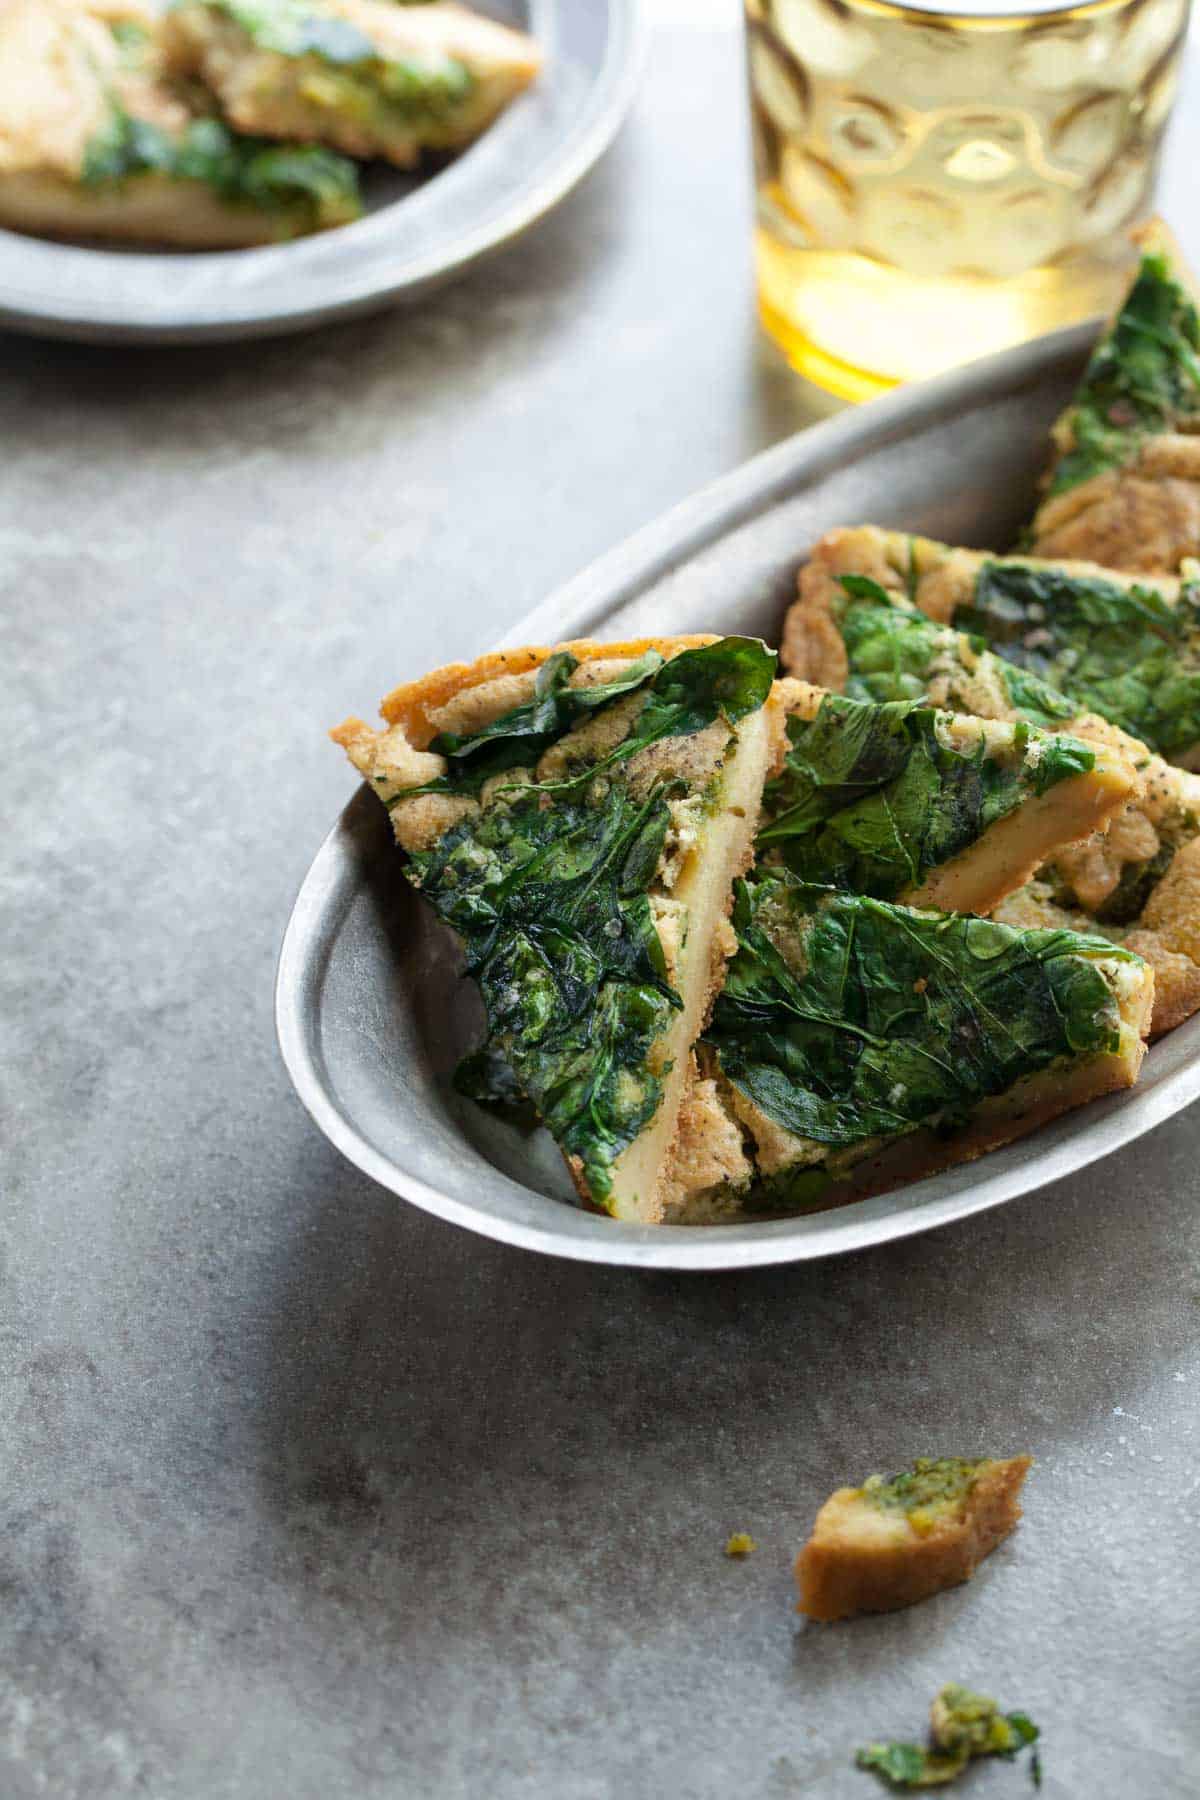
(930, 187)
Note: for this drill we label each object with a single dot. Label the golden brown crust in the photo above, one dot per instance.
(708, 1152)
(1168, 937)
(858, 1563)
(1144, 517)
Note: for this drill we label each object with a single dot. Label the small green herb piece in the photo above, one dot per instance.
(909, 1765)
(962, 1725)
(896, 653)
(548, 886)
(303, 185)
(930, 1483)
(131, 37)
(874, 797)
(845, 1018)
(1143, 378)
(740, 1543)
(1127, 653)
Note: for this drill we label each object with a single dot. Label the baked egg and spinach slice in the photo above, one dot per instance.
(1124, 486)
(95, 143)
(1118, 645)
(577, 818)
(905, 802)
(858, 1044)
(367, 77)
(856, 629)
(896, 1539)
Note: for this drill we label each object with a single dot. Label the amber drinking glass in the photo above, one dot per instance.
(936, 184)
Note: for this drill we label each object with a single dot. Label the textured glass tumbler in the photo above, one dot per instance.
(935, 185)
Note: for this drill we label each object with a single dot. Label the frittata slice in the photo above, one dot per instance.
(1124, 488)
(93, 143)
(577, 816)
(931, 808)
(894, 1541)
(1115, 644)
(858, 1044)
(364, 76)
(854, 629)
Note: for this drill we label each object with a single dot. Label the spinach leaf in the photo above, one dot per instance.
(895, 653)
(1143, 378)
(304, 185)
(551, 907)
(874, 797)
(1023, 1728)
(727, 679)
(901, 1764)
(845, 1018)
(1126, 653)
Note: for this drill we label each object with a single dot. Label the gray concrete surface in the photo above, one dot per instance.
(306, 1495)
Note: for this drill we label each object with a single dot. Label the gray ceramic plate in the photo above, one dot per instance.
(418, 231)
(370, 1014)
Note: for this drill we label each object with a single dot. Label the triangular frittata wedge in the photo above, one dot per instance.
(931, 808)
(578, 816)
(368, 77)
(1139, 881)
(95, 143)
(857, 1044)
(1124, 487)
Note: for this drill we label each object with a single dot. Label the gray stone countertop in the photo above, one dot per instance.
(307, 1495)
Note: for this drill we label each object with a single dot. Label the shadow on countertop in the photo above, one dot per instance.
(435, 1398)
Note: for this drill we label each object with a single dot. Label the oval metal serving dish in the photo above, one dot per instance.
(418, 230)
(370, 1013)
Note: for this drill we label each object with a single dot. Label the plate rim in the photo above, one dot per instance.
(611, 93)
(708, 514)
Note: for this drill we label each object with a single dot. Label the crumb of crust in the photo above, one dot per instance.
(880, 1546)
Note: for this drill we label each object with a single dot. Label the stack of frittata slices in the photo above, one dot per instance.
(750, 944)
(225, 123)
